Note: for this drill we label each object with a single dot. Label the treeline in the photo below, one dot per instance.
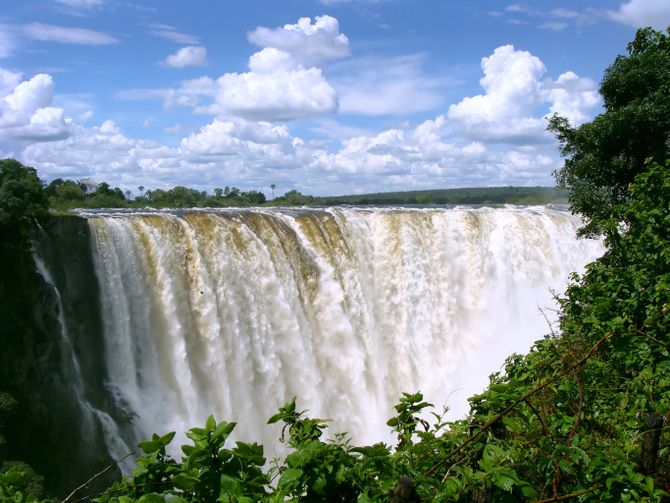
(67, 194)
(475, 195)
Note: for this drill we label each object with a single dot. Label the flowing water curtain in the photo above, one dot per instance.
(236, 312)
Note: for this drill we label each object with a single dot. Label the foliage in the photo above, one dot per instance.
(208, 471)
(295, 198)
(7, 405)
(604, 156)
(182, 197)
(66, 194)
(20, 484)
(21, 199)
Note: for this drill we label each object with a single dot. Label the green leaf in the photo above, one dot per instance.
(210, 424)
(253, 453)
(151, 498)
(290, 477)
(150, 446)
(224, 429)
(184, 481)
(13, 477)
(649, 483)
(276, 418)
(529, 492)
(504, 481)
(230, 486)
(196, 434)
(167, 438)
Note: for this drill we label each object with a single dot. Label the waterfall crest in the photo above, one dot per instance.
(234, 312)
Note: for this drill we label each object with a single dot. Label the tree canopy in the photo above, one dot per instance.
(21, 196)
(603, 157)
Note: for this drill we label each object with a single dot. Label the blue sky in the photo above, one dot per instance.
(323, 96)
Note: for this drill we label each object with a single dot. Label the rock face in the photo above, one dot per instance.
(53, 428)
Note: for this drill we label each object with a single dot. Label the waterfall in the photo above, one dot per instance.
(91, 416)
(234, 312)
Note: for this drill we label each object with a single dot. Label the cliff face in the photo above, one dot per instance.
(53, 427)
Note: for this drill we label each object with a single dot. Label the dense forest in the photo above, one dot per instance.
(583, 416)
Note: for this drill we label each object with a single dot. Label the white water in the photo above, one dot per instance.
(235, 312)
(117, 449)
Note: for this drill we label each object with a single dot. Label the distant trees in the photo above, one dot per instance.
(64, 194)
(293, 197)
(177, 197)
(183, 197)
(603, 157)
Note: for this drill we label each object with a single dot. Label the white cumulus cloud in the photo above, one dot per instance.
(279, 95)
(235, 138)
(284, 80)
(641, 13)
(187, 56)
(46, 124)
(516, 98)
(572, 97)
(26, 112)
(309, 43)
(103, 153)
(25, 99)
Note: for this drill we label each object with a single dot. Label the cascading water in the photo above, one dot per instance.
(234, 312)
(92, 417)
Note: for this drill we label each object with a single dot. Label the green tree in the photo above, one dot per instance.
(22, 198)
(603, 157)
(68, 192)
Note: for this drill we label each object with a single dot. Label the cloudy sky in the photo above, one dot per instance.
(323, 96)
